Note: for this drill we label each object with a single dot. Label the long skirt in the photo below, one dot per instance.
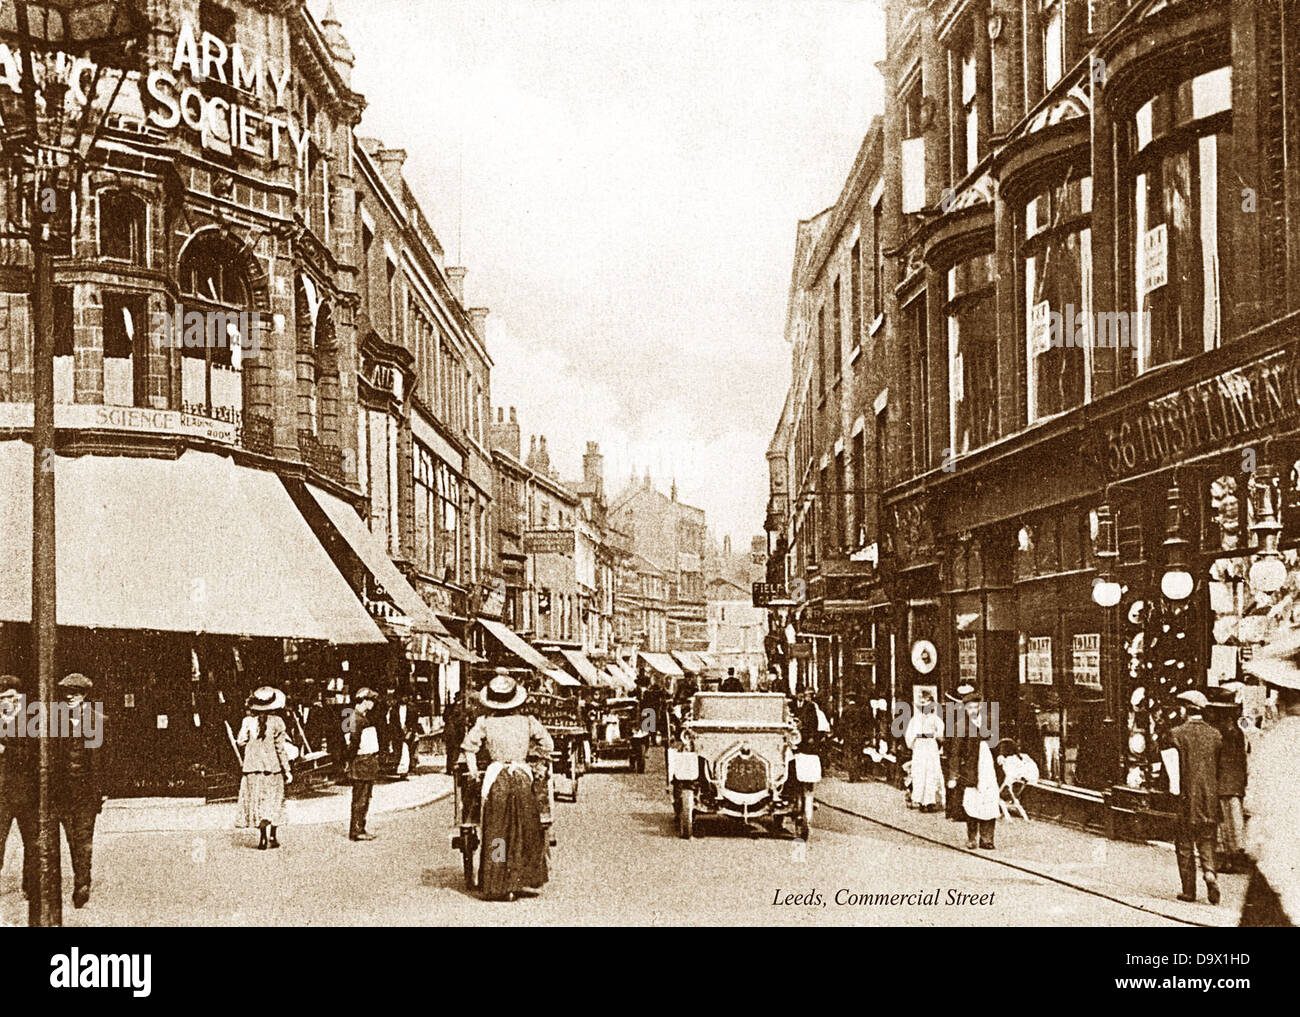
(514, 844)
(927, 773)
(261, 800)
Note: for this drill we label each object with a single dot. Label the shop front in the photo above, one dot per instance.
(180, 583)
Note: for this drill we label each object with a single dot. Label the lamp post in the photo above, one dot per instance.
(67, 50)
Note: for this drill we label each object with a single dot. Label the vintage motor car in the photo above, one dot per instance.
(738, 756)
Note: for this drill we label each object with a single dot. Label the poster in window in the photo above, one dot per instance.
(1086, 655)
(1038, 660)
(1040, 328)
(1155, 258)
(967, 660)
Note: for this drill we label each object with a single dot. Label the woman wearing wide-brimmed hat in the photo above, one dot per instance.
(514, 843)
(267, 769)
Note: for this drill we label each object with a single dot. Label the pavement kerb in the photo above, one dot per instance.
(438, 794)
(851, 807)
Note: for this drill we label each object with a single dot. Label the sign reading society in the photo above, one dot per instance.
(193, 90)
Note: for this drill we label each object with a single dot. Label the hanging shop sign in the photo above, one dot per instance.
(1261, 397)
(548, 542)
(801, 651)
(765, 593)
(924, 656)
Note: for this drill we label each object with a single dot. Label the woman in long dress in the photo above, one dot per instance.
(514, 843)
(922, 736)
(973, 777)
(267, 768)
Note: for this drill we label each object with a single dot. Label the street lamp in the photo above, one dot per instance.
(67, 50)
(1177, 583)
(1268, 573)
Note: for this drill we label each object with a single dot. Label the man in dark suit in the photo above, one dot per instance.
(1199, 746)
(361, 754)
(76, 787)
(18, 790)
(854, 729)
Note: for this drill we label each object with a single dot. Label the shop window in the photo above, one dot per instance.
(971, 313)
(123, 226)
(1183, 194)
(1056, 262)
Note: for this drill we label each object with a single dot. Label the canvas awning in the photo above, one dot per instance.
(619, 678)
(583, 667)
(194, 544)
(1278, 662)
(366, 546)
(517, 645)
(662, 663)
(692, 663)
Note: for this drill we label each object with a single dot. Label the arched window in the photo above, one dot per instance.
(123, 226)
(317, 362)
(216, 327)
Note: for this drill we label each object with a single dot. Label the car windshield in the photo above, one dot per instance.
(746, 708)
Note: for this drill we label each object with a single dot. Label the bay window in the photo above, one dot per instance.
(1183, 190)
(971, 312)
(1056, 266)
(213, 282)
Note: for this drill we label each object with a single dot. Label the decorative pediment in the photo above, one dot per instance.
(1074, 104)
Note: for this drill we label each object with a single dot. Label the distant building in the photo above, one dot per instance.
(671, 535)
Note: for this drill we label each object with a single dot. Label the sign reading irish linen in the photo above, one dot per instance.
(1261, 396)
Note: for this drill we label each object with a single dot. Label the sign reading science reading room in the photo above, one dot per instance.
(220, 122)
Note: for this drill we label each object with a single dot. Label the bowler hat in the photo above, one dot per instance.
(77, 681)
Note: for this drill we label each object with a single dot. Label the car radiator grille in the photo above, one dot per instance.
(746, 775)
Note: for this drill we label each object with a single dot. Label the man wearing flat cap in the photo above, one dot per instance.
(1199, 746)
(18, 786)
(75, 783)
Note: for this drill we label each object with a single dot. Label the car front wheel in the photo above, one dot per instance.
(803, 822)
(686, 814)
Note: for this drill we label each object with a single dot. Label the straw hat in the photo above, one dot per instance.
(266, 699)
(502, 693)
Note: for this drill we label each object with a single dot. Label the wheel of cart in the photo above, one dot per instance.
(566, 763)
(466, 812)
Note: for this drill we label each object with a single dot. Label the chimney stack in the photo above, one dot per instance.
(505, 434)
(543, 457)
(456, 282)
(674, 488)
(478, 318)
(531, 461)
(593, 468)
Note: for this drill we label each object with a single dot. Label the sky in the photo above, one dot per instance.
(623, 179)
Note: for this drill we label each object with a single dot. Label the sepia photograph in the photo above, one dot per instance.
(540, 464)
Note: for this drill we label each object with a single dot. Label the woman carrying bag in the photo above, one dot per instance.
(263, 739)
